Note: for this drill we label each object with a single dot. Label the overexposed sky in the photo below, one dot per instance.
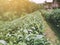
(41, 1)
(49, 0)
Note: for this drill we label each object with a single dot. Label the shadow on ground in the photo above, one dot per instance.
(55, 29)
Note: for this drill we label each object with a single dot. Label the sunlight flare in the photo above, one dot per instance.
(41, 1)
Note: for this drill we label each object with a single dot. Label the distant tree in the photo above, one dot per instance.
(58, 0)
(12, 9)
(17, 5)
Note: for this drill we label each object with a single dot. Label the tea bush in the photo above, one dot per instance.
(54, 17)
(27, 30)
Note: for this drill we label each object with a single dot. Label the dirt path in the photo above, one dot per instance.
(50, 34)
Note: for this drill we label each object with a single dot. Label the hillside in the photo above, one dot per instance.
(31, 24)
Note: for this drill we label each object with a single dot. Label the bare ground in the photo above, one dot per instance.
(50, 34)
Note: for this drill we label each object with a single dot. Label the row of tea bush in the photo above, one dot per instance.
(27, 30)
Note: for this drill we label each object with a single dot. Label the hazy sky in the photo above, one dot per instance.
(41, 1)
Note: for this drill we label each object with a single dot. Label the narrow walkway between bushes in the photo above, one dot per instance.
(50, 34)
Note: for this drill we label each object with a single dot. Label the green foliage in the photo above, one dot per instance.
(10, 10)
(54, 17)
(11, 15)
(0, 44)
(27, 30)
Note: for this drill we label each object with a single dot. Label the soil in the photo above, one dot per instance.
(49, 33)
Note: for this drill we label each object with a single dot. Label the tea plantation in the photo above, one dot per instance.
(27, 30)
